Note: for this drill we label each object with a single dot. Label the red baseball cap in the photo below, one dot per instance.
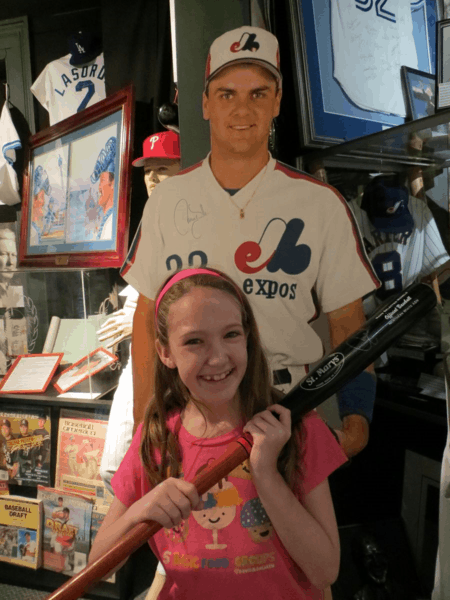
(159, 145)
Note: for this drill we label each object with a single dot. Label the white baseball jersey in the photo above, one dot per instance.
(401, 259)
(65, 90)
(298, 243)
(9, 142)
(372, 40)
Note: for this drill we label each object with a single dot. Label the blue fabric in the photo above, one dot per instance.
(357, 397)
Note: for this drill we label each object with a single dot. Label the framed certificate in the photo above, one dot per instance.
(30, 373)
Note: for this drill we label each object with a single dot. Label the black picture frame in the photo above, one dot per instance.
(420, 93)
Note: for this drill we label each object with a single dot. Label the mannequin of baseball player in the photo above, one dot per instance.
(161, 159)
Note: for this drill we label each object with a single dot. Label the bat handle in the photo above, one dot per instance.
(75, 587)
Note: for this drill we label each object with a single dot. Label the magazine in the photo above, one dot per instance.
(81, 440)
(67, 523)
(25, 446)
(99, 512)
(21, 531)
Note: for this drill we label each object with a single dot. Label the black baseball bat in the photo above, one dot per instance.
(352, 356)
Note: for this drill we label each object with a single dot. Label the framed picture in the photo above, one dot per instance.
(84, 368)
(420, 93)
(348, 84)
(443, 64)
(75, 206)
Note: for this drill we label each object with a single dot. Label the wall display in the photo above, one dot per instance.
(66, 531)
(84, 368)
(420, 93)
(348, 82)
(76, 189)
(30, 373)
(21, 531)
(81, 439)
(443, 64)
(25, 446)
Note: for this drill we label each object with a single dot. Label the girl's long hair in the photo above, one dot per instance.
(159, 449)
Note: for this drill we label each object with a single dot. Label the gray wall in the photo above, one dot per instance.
(198, 23)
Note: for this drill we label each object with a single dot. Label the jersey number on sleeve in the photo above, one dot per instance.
(388, 267)
(90, 92)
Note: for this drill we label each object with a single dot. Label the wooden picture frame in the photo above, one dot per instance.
(75, 204)
(328, 109)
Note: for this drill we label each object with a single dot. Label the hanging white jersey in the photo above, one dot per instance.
(372, 40)
(64, 90)
(9, 142)
(399, 259)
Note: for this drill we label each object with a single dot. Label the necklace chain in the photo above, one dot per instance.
(242, 210)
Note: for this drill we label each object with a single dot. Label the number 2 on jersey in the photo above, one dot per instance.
(81, 85)
(388, 267)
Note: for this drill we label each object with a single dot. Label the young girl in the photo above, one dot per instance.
(268, 530)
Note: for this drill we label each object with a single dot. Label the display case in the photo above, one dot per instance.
(59, 312)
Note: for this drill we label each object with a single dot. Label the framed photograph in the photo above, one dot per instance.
(443, 64)
(30, 373)
(86, 367)
(420, 93)
(75, 206)
(348, 84)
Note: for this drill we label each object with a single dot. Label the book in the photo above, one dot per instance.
(74, 337)
(21, 531)
(81, 440)
(66, 532)
(25, 446)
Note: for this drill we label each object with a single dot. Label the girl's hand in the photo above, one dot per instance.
(269, 436)
(169, 503)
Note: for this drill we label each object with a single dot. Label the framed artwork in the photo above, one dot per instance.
(348, 84)
(75, 205)
(420, 93)
(84, 368)
(443, 64)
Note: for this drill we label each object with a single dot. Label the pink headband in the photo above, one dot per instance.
(183, 275)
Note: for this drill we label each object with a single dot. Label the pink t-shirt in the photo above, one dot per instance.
(230, 549)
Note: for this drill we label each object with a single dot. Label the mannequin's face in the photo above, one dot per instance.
(158, 169)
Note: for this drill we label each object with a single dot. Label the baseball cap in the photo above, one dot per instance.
(84, 46)
(165, 144)
(386, 205)
(24, 422)
(243, 45)
(6, 422)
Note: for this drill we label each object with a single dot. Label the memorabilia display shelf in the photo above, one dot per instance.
(422, 143)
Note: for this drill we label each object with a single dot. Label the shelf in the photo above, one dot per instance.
(422, 143)
(102, 383)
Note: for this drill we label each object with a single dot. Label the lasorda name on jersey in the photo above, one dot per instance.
(86, 72)
(326, 373)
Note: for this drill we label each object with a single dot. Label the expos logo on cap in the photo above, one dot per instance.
(244, 45)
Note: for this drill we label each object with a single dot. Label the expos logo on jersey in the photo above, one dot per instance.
(280, 251)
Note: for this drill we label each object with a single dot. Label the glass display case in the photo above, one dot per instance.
(59, 312)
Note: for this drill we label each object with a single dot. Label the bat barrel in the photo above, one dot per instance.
(357, 352)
